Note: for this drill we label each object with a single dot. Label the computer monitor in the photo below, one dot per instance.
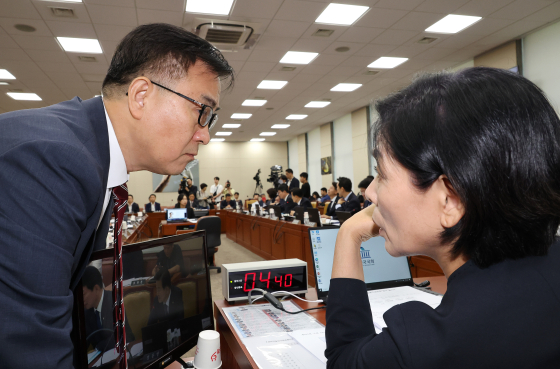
(177, 214)
(156, 332)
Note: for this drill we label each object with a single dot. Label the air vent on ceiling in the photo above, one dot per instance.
(371, 72)
(88, 59)
(224, 33)
(62, 12)
(323, 32)
(287, 69)
(25, 28)
(269, 108)
(426, 40)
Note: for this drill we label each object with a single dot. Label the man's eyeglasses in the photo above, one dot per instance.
(206, 115)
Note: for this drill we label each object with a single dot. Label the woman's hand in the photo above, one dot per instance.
(347, 259)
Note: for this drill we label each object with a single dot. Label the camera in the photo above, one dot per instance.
(275, 172)
(183, 186)
(257, 177)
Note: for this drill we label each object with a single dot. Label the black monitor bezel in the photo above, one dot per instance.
(79, 330)
(369, 286)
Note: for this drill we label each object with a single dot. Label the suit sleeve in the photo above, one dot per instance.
(51, 192)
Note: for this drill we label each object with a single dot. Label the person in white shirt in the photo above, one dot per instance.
(216, 191)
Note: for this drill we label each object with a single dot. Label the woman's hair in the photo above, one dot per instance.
(271, 193)
(180, 197)
(315, 194)
(203, 186)
(496, 137)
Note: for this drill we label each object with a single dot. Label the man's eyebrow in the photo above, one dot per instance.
(209, 101)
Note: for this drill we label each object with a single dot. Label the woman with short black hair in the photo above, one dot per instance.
(469, 175)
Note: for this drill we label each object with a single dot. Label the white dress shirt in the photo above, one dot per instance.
(117, 166)
(218, 188)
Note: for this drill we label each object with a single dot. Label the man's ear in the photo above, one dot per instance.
(452, 206)
(138, 92)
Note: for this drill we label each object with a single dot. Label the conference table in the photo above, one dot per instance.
(234, 352)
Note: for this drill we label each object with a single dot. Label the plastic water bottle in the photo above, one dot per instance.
(306, 218)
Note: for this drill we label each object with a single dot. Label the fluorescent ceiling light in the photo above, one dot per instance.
(317, 104)
(387, 62)
(341, 14)
(267, 133)
(4, 74)
(452, 23)
(272, 85)
(257, 139)
(296, 116)
(254, 102)
(223, 133)
(217, 7)
(217, 139)
(346, 87)
(4, 83)
(298, 57)
(27, 96)
(280, 126)
(241, 116)
(64, 1)
(231, 125)
(80, 45)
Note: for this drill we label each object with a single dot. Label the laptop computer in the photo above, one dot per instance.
(343, 216)
(381, 270)
(176, 215)
(314, 216)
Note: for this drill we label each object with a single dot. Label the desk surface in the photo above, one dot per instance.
(234, 352)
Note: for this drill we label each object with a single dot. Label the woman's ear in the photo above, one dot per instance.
(452, 209)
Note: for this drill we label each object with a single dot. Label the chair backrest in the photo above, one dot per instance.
(326, 207)
(250, 202)
(137, 306)
(314, 204)
(189, 299)
(212, 224)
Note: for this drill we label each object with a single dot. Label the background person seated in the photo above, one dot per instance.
(193, 202)
(171, 259)
(237, 201)
(284, 199)
(272, 193)
(299, 200)
(152, 205)
(131, 206)
(364, 184)
(315, 196)
(98, 315)
(347, 201)
(333, 194)
(228, 203)
(168, 304)
(258, 200)
(324, 196)
(183, 203)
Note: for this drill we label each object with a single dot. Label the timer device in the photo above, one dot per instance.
(288, 275)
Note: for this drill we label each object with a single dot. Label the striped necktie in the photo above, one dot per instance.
(120, 197)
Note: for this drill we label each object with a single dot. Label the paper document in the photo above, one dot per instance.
(281, 351)
(382, 300)
(264, 319)
(313, 340)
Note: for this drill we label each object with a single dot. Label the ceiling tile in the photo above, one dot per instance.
(435, 54)
(331, 59)
(548, 14)
(284, 28)
(316, 69)
(314, 27)
(345, 71)
(373, 51)
(41, 29)
(482, 8)
(315, 45)
(36, 43)
(69, 29)
(108, 48)
(459, 41)
(91, 68)
(441, 6)
(394, 37)
(408, 51)
(7, 42)
(173, 5)
(108, 32)
(80, 12)
(461, 55)
(267, 55)
(13, 55)
(360, 34)
(398, 4)
(18, 9)
(306, 11)
(256, 8)
(51, 56)
(380, 18)
(258, 66)
(120, 16)
(255, 77)
(93, 77)
(354, 48)
(126, 3)
(417, 21)
(54, 66)
(146, 16)
(274, 43)
(520, 9)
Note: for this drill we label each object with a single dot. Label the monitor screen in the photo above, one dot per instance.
(167, 300)
(176, 214)
(378, 265)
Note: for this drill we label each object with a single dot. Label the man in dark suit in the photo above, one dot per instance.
(292, 181)
(228, 203)
(152, 205)
(284, 199)
(299, 200)
(98, 306)
(333, 194)
(168, 304)
(347, 201)
(237, 201)
(70, 156)
(131, 206)
(193, 202)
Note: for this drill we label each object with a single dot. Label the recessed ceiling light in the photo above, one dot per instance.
(341, 14)
(346, 87)
(4, 83)
(254, 102)
(296, 116)
(25, 28)
(241, 116)
(267, 133)
(280, 126)
(64, 1)
(218, 7)
(387, 62)
(27, 96)
(272, 85)
(223, 133)
(217, 139)
(231, 125)
(80, 45)
(298, 57)
(317, 104)
(452, 23)
(257, 139)
(4, 74)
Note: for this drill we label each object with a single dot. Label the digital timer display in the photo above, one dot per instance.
(276, 279)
